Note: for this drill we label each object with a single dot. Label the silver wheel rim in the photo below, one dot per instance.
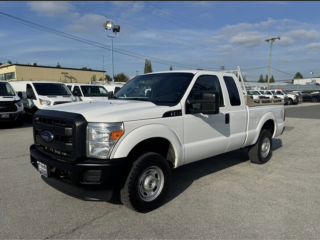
(265, 147)
(150, 183)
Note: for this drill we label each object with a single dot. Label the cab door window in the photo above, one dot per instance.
(204, 83)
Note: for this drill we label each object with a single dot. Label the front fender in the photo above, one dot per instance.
(128, 142)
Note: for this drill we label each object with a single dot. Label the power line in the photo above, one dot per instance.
(127, 53)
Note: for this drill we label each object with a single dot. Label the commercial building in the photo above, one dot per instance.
(303, 81)
(27, 72)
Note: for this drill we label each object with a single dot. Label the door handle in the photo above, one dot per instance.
(227, 118)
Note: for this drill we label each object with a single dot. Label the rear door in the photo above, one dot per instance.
(238, 113)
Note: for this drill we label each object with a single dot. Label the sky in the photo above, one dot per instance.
(185, 35)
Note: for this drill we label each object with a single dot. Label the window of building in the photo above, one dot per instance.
(233, 91)
(8, 76)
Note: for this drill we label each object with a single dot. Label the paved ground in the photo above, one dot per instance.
(221, 197)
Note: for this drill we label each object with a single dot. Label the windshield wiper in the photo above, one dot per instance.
(139, 99)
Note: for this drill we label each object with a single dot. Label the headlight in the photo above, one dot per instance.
(44, 102)
(101, 138)
(19, 104)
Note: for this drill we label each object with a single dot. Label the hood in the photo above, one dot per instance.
(9, 98)
(115, 110)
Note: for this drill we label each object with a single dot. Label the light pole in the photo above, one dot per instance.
(270, 40)
(115, 28)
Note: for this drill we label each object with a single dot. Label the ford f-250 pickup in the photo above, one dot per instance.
(154, 123)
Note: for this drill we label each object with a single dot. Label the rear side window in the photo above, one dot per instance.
(233, 91)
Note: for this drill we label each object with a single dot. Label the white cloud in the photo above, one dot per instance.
(249, 39)
(53, 9)
(303, 35)
(285, 41)
(313, 48)
(88, 23)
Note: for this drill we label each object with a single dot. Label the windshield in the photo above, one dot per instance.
(159, 88)
(284, 92)
(94, 91)
(48, 89)
(6, 89)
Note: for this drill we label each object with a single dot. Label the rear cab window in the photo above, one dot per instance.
(233, 91)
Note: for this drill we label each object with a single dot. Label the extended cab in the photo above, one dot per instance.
(131, 142)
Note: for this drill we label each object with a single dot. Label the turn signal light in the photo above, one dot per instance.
(115, 135)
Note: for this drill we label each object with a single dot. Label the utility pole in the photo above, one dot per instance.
(270, 40)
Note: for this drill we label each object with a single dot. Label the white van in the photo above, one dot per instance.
(11, 107)
(112, 86)
(88, 92)
(42, 94)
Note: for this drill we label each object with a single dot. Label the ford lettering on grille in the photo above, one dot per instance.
(47, 136)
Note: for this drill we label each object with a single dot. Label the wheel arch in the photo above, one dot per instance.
(155, 138)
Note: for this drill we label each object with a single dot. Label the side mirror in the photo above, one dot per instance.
(76, 93)
(110, 94)
(210, 103)
(116, 89)
(20, 95)
(30, 94)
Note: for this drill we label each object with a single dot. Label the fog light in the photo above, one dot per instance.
(92, 176)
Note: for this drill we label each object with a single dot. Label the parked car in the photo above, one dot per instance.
(130, 144)
(88, 92)
(312, 97)
(11, 107)
(37, 95)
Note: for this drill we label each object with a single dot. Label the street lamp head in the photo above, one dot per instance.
(116, 28)
(108, 25)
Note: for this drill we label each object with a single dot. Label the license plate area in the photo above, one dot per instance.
(4, 115)
(43, 169)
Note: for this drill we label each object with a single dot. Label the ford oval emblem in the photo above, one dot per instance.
(47, 136)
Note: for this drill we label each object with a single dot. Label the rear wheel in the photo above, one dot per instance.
(261, 152)
(290, 101)
(147, 183)
(314, 100)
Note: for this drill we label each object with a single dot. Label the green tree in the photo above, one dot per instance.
(58, 65)
(272, 79)
(9, 61)
(298, 75)
(100, 79)
(266, 79)
(261, 79)
(147, 66)
(170, 68)
(85, 68)
(93, 78)
(107, 78)
(121, 77)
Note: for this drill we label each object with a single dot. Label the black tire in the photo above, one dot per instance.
(314, 100)
(290, 101)
(154, 172)
(256, 154)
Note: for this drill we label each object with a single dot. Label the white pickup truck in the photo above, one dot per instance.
(131, 142)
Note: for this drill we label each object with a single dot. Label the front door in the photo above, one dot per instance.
(205, 135)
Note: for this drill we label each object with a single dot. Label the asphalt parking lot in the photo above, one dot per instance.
(222, 197)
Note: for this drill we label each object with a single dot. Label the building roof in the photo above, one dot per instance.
(39, 66)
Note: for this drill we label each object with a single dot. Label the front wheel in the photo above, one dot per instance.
(290, 101)
(261, 152)
(147, 183)
(314, 100)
